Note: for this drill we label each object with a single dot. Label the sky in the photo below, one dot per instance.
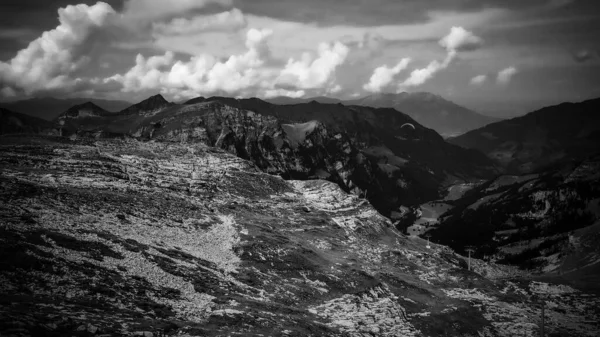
(498, 57)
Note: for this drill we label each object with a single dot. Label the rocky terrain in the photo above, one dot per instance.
(363, 150)
(546, 137)
(122, 237)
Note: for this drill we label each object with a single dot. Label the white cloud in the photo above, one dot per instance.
(460, 39)
(478, 80)
(270, 93)
(49, 60)
(232, 20)
(308, 73)
(505, 75)
(203, 73)
(420, 76)
(148, 10)
(383, 76)
(457, 40)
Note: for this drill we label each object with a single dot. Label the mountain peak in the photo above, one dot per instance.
(151, 104)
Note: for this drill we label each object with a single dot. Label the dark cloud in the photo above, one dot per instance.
(378, 12)
(584, 55)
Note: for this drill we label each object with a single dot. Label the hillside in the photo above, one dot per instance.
(544, 222)
(118, 237)
(14, 122)
(548, 136)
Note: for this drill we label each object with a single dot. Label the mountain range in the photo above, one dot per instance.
(432, 111)
(222, 216)
(365, 150)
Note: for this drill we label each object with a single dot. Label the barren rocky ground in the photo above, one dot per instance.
(120, 237)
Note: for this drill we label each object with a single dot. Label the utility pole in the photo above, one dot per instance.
(542, 329)
(470, 249)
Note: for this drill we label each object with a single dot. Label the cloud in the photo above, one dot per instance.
(149, 10)
(308, 73)
(270, 93)
(201, 74)
(584, 55)
(460, 39)
(457, 40)
(232, 20)
(478, 80)
(383, 75)
(49, 60)
(505, 75)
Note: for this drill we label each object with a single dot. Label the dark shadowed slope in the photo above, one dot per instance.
(549, 135)
(49, 108)
(432, 111)
(14, 122)
(544, 221)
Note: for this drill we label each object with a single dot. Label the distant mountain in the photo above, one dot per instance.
(544, 137)
(14, 122)
(49, 108)
(288, 100)
(432, 111)
(87, 109)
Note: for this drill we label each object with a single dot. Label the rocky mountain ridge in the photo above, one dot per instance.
(360, 148)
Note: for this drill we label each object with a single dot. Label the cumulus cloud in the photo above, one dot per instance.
(456, 41)
(383, 75)
(478, 80)
(232, 20)
(270, 93)
(49, 60)
(420, 76)
(148, 10)
(505, 75)
(203, 73)
(308, 73)
(460, 39)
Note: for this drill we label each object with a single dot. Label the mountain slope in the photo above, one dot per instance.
(530, 221)
(49, 108)
(151, 238)
(432, 111)
(14, 122)
(550, 135)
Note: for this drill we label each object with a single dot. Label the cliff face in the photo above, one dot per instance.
(138, 238)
